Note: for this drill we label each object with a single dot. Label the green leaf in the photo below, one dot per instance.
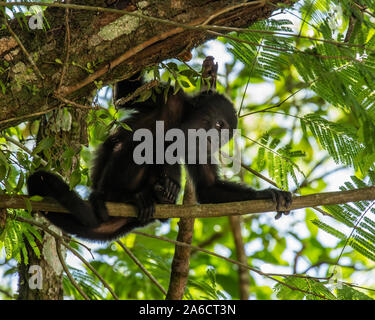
(4, 159)
(125, 126)
(28, 205)
(44, 144)
(75, 178)
(20, 182)
(300, 288)
(345, 292)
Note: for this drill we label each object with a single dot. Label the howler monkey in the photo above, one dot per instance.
(117, 177)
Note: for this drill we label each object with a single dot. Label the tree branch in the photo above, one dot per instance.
(243, 274)
(181, 259)
(203, 210)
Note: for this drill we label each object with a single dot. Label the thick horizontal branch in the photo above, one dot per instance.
(204, 210)
(141, 35)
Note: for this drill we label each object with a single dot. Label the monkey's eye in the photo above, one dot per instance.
(219, 124)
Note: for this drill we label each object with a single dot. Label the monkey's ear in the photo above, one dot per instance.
(175, 104)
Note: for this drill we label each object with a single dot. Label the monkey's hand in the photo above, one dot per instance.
(209, 71)
(146, 206)
(166, 190)
(280, 199)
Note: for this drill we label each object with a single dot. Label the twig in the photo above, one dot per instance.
(276, 105)
(24, 148)
(351, 234)
(254, 172)
(364, 9)
(70, 239)
(136, 93)
(67, 46)
(28, 56)
(6, 293)
(74, 283)
(211, 239)
(199, 249)
(77, 105)
(258, 4)
(105, 283)
(142, 267)
(27, 116)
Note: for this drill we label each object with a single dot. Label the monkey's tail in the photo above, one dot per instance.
(87, 219)
(46, 184)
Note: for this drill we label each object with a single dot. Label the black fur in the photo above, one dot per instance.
(117, 178)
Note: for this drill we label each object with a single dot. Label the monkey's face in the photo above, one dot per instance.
(214, 114)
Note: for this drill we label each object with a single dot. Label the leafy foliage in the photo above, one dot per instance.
(294, 288)
(342, 75)
(87, 282)
(278, 161)
(208, 287)
(315, 81)
(348, 293)
(306, 288)
(15, 235)
(362, 237)
(340, 141)
(264, 52)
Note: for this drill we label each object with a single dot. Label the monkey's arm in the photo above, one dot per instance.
(211, 189)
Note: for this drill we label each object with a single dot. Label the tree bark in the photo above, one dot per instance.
(47, 267)
(112, 44)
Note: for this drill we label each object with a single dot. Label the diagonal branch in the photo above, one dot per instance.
(203, 210)
(141, 266)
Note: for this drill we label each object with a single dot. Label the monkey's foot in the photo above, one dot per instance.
(146, 207)
(166, 190)
(281, 199)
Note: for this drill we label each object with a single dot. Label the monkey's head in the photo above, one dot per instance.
(213, 111)
(213, 117)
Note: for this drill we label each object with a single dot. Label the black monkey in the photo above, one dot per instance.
(117, 178)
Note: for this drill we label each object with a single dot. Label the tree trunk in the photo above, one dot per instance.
(104, 46)
(243, 273)
(181, 258)
(42, 278)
